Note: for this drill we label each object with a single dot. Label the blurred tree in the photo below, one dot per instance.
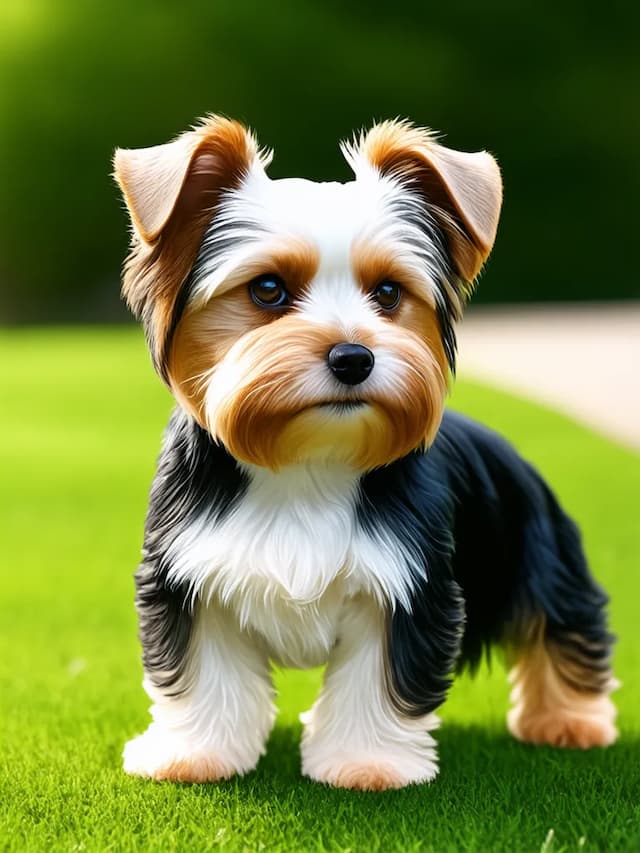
(551, 88)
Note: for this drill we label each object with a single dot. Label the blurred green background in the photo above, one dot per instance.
(550, 88)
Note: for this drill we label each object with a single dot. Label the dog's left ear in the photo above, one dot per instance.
(463, 190)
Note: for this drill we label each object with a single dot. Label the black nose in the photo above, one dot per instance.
(350, 363)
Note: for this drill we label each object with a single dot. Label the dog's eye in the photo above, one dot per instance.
(268, 291)
(387, 294)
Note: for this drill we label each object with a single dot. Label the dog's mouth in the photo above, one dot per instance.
(341, 407)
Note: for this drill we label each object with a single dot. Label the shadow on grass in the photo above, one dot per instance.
(490, 788)
(467, 753)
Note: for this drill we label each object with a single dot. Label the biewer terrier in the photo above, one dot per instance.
(313, 502)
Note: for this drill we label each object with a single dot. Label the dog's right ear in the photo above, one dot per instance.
(171, 192)
(151, 180)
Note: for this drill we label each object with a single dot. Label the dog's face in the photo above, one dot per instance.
(297, 320)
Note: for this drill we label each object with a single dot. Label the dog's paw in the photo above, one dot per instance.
(373, 776)
(566, 728)
(159, 756)
(368, 773)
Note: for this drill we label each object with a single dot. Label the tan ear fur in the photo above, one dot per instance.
(171, 192)
(465, 188)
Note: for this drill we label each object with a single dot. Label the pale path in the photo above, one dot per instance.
(583, 360)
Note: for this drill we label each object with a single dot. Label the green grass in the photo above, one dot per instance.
(81, 417)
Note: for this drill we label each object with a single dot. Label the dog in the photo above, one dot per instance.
(314, 503)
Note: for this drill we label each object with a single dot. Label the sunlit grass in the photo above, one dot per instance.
(81, 417)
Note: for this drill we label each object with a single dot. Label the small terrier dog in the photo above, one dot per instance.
(313, 503)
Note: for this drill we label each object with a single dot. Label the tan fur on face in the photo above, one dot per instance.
(374, 264)
(549, 708)
(203, 337)
(171, 192)
(272, 417)
(362, 438)
(272, 387)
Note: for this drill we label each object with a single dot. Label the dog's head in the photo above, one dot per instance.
(298, 320)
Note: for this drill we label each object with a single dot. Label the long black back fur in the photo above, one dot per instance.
(493, 535)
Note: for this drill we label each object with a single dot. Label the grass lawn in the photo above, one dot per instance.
(80, 423)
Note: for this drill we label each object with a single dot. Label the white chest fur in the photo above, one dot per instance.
(286, 557)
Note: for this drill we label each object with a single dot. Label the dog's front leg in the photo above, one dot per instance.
(354, 736)
(214, 722)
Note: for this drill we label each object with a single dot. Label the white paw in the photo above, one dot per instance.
(368, 772)
(402, 753)
(162, 756)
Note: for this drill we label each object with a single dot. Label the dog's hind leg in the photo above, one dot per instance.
(527, 587)
(561, 690)
(559, 645)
